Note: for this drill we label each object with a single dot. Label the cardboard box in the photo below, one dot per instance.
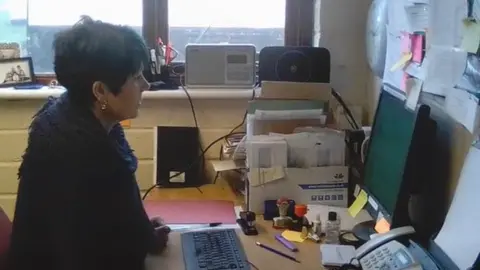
(318, 185)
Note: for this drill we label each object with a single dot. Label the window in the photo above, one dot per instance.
(34, 23)
(257, 22)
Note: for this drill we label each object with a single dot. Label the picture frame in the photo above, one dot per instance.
(9, 50)
(16, 71)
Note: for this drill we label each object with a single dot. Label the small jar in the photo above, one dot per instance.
(332, 228)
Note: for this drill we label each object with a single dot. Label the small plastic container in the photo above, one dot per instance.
(332, 228)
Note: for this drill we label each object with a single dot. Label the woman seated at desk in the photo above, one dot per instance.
(78, 204)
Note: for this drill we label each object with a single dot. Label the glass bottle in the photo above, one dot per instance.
(332, 228)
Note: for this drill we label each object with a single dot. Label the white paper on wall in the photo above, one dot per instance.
(394, 52)
(446, 18)
(444, 69)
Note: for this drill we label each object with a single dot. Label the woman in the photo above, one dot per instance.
(78, 204)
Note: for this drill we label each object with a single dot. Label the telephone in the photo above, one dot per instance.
(383, 252)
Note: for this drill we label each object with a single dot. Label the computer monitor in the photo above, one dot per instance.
(397, 135)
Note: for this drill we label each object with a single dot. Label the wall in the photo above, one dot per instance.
(215, 118)
(340, 26)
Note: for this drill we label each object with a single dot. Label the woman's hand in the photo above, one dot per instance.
(161, 233)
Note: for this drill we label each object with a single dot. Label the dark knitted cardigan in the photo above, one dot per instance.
(78, 204)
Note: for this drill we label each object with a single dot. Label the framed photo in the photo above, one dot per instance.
(16, 71)
(9, 50)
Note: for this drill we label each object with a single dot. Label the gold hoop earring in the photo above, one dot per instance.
(103, 107)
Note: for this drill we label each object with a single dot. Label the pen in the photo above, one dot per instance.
(286, 243)
(277, 252)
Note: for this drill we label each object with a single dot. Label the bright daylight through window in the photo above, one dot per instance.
(34, 23)
(257, 22)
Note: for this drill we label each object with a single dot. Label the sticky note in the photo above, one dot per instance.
(293, 236)
(406, 57)
(358, 204)
(126, 123)
(471, 36)
(382, 226)
(417, 48)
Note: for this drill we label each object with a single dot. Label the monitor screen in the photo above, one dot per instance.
(388, 149)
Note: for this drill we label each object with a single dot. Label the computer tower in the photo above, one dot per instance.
(178, 161)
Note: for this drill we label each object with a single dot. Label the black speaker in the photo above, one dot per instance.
(178, 151)
(294, 64)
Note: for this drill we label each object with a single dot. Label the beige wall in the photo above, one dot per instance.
(215, 117)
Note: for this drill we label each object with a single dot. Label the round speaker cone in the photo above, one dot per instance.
(293, 66)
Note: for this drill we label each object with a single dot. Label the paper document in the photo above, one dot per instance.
(336, 255)
(394, 53)
(404, 59)
(414, 88)
(262, 176)
(417, 16)
(463, 107)
(458, 237)
(444, 69)
(289, 114)
(471, 36)
(446, 22)
(397, 17)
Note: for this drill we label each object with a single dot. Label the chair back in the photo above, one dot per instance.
(5, 232)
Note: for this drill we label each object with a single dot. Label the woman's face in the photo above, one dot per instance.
(126, 103)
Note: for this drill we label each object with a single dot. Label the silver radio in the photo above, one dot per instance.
(220, 66)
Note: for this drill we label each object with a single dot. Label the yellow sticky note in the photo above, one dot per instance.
(382, 226)
(125, 123)
(358, 204)
(293, 236)
(471, 36)
(400, 63)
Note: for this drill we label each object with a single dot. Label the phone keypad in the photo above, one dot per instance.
(380, 259)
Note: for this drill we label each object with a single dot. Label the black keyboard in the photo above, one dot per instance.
(213, 250)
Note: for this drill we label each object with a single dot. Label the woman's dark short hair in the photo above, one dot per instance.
(96, 51)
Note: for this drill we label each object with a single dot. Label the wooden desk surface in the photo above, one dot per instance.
(308, 254)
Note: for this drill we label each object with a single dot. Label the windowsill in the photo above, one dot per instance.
(15, 94)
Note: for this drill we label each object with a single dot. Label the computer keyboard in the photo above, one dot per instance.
(213, 250)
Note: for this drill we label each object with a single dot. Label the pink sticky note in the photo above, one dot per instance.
(417, 48)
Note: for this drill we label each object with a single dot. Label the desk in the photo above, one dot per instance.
(308, 254)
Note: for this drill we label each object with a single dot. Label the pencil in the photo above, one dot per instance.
(277, 252)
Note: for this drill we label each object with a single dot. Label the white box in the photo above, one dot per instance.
(317, 185)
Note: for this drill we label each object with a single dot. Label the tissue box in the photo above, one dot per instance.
(316, 185)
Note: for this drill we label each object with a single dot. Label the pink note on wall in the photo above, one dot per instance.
(417, 48)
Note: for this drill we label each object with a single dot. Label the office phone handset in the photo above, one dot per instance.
(384, 252)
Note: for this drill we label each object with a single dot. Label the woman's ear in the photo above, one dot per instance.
(100, 91)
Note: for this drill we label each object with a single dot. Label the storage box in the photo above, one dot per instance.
(317, 185)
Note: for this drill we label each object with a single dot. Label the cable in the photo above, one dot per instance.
(348, 113)
(196, 125)
(233, 130)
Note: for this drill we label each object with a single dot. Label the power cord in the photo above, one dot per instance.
(192, 107)
(232, 131)
(348, 113)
